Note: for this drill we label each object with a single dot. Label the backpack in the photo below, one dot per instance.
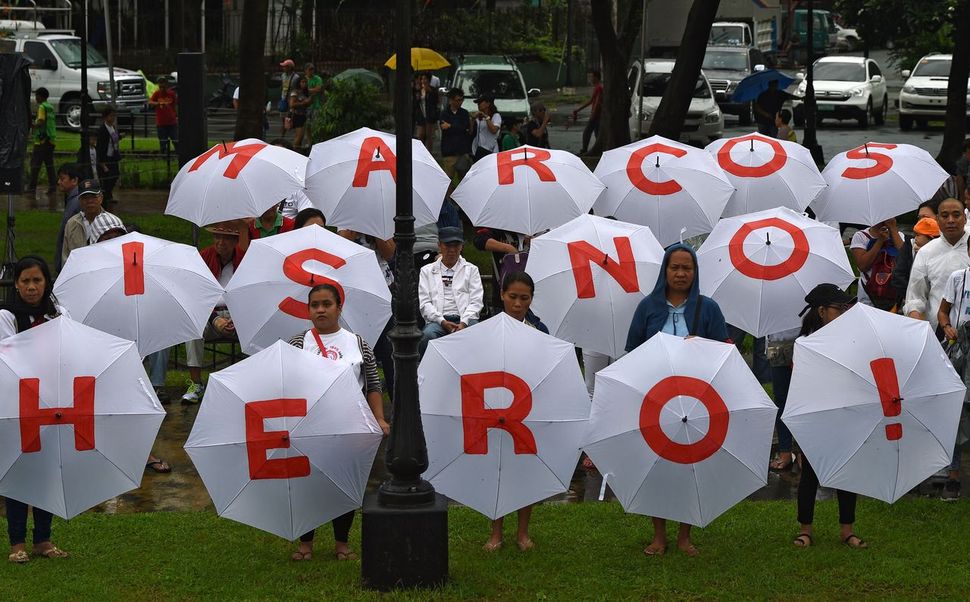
(878, 284)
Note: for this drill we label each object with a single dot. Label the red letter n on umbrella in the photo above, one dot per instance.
(259, 440)
(582, 255)
(507, 161)
(375, 155)
(32, 417)
(240, 157)
(293, 269)
(476, 419)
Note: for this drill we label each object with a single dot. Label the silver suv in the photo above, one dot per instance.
(498, 76)
(923, 96)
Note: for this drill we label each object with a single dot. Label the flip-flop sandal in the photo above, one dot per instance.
(298, 556)
(800, 541)
(526, 545)
(778, 466)
(155, 466)
(18, 557)
(52, 552)
(690, 550)
(346, 556)
(859, 543)
(492, 547)
(649, 551)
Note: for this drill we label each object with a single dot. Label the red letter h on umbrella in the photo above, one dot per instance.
(32, 417)
(476, 419)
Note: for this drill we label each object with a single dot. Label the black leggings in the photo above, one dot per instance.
(808, 487)
(17, 523)
(341, 528)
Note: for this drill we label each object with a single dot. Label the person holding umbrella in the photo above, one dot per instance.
(826, 302)
(675, 307)
(329, 340)
(33, 304)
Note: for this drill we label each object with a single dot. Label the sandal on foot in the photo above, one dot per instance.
(854, 541)
(780, 465)
(346, 556)
(526, 545)
(492, 546)
(803, 540)
(52, 552)
(653, 550)
(159, 467)
(18, 557)
(298, 556)
(690, 550)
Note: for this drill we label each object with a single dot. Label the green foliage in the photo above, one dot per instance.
(349, 105)
(913, 29)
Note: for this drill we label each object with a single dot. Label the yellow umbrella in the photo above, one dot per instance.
(422, 59)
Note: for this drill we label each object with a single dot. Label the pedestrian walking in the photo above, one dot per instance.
(45, 134)
(767, 106)
(595, 103)
(314, 84)
(425, 111)
(456, 136)
(165, 103)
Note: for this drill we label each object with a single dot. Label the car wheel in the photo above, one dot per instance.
(905, 123)
(880, 115)
(866, 118)
(922, 124)
(71, 111)
(799, 116)
(744, 118)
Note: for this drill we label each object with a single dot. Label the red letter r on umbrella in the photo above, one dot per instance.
(476, 419)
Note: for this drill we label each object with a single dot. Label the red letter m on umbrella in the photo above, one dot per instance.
(582, 255)
(476, 419)
(241, 154)
(32, 416)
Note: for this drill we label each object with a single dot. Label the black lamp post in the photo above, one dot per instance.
(82, 154)
(404, 530)
(811, 141)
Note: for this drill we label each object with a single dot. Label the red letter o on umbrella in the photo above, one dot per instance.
(731, 166)
(749, 268)
(657, 439)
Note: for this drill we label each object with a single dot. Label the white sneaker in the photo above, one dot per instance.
(194, 393)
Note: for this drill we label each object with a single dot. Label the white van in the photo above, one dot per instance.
(55, 57)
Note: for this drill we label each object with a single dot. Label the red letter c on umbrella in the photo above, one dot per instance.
(749, 268)
(634, 170)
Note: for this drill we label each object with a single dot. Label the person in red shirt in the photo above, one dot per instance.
(595, 103)
(164, 101)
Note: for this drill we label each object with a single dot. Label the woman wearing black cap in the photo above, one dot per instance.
(826, 302)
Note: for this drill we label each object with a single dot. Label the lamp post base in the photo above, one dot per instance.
(403, 547)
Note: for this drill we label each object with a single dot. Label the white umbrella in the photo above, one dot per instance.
(503, 407)
(234, 180)
(77, 418)
(151, 291)
(760, 266)
(590, 274)
(874, 403)
(681, 429)
(767, 173)
(876, 182)
(353, 180)
(527, 190)
(267, 296)
(677, 190)
(284, 441)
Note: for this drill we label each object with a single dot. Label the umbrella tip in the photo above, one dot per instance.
(866, 145)
(767, 238)
(684, 419)
(658, 160)
(224, 147)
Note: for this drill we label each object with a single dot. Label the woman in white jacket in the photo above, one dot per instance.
(450, 290)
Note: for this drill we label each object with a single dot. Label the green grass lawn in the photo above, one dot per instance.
(591, 551)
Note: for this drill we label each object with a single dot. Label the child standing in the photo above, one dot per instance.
(783, 123)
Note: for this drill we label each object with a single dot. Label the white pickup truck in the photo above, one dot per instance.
(55, 57)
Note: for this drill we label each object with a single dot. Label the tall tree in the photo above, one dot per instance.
(956, 91)
(616, 47)
(670, 116)
(252, 79)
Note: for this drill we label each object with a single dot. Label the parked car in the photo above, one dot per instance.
(498, 76)
(846, 39)
(923, 96)
(704, 122)
(726, 67)
(846, 87)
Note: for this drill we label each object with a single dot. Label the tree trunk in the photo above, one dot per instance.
(252, 81)
(306, 18)
(670, 116)
(616, 47)
(956, 92)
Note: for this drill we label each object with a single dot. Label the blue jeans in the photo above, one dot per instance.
(435, 330)
(759, 361)
(157, 363)
(17, 523)
(780, 381)
(166, 134)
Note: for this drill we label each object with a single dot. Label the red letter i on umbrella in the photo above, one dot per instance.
(133, 256)
(884, 372)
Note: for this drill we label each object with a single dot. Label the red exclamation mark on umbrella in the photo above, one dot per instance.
(884, 371)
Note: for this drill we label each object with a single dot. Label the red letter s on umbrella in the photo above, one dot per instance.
(293, 269)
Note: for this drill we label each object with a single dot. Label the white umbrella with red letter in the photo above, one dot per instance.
(151, 291)
(874, 403)
(876, 182)
(527, 190)
(590, 274)
(78, 417)
(759, 267)
(267, 295)
(353, 179)
(284, 440)
(504, 407)
(677, 190)
(234, 180)
(767, 173)
(681, 429)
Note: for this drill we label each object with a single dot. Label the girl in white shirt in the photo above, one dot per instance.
(488, 124)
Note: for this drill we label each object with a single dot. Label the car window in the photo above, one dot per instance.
(37, 52)
(937, 68)
(500, 84)
(721, 59)
(70, 52)
(840, 72)
(874, 69)
(655, 84)
(631, 80)
(725, 35)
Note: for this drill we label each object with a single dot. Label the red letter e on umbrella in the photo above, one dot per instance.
(476, 419)
(259, 440)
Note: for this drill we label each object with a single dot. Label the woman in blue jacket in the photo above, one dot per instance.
(675, 307)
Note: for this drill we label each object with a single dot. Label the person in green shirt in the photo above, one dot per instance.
(510, 135)
(45, 132)
(315, 89)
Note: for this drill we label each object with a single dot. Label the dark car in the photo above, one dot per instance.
(725, 67)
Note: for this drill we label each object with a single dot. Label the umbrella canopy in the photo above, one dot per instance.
(874, 403)
(234, 180)
(503, 407)
(284, 441)
(527, 190)
(422, 59)
(681, 429)
(875, 182)
(151, 291)
(353, 180)
(84, 420)
(759, 267)
(751, 87)
(677, 190)
(362, 75)
(267, 296)
(767, 173)
(590, 274)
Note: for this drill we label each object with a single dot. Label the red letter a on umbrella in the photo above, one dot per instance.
(476, 419)
(375, 155)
